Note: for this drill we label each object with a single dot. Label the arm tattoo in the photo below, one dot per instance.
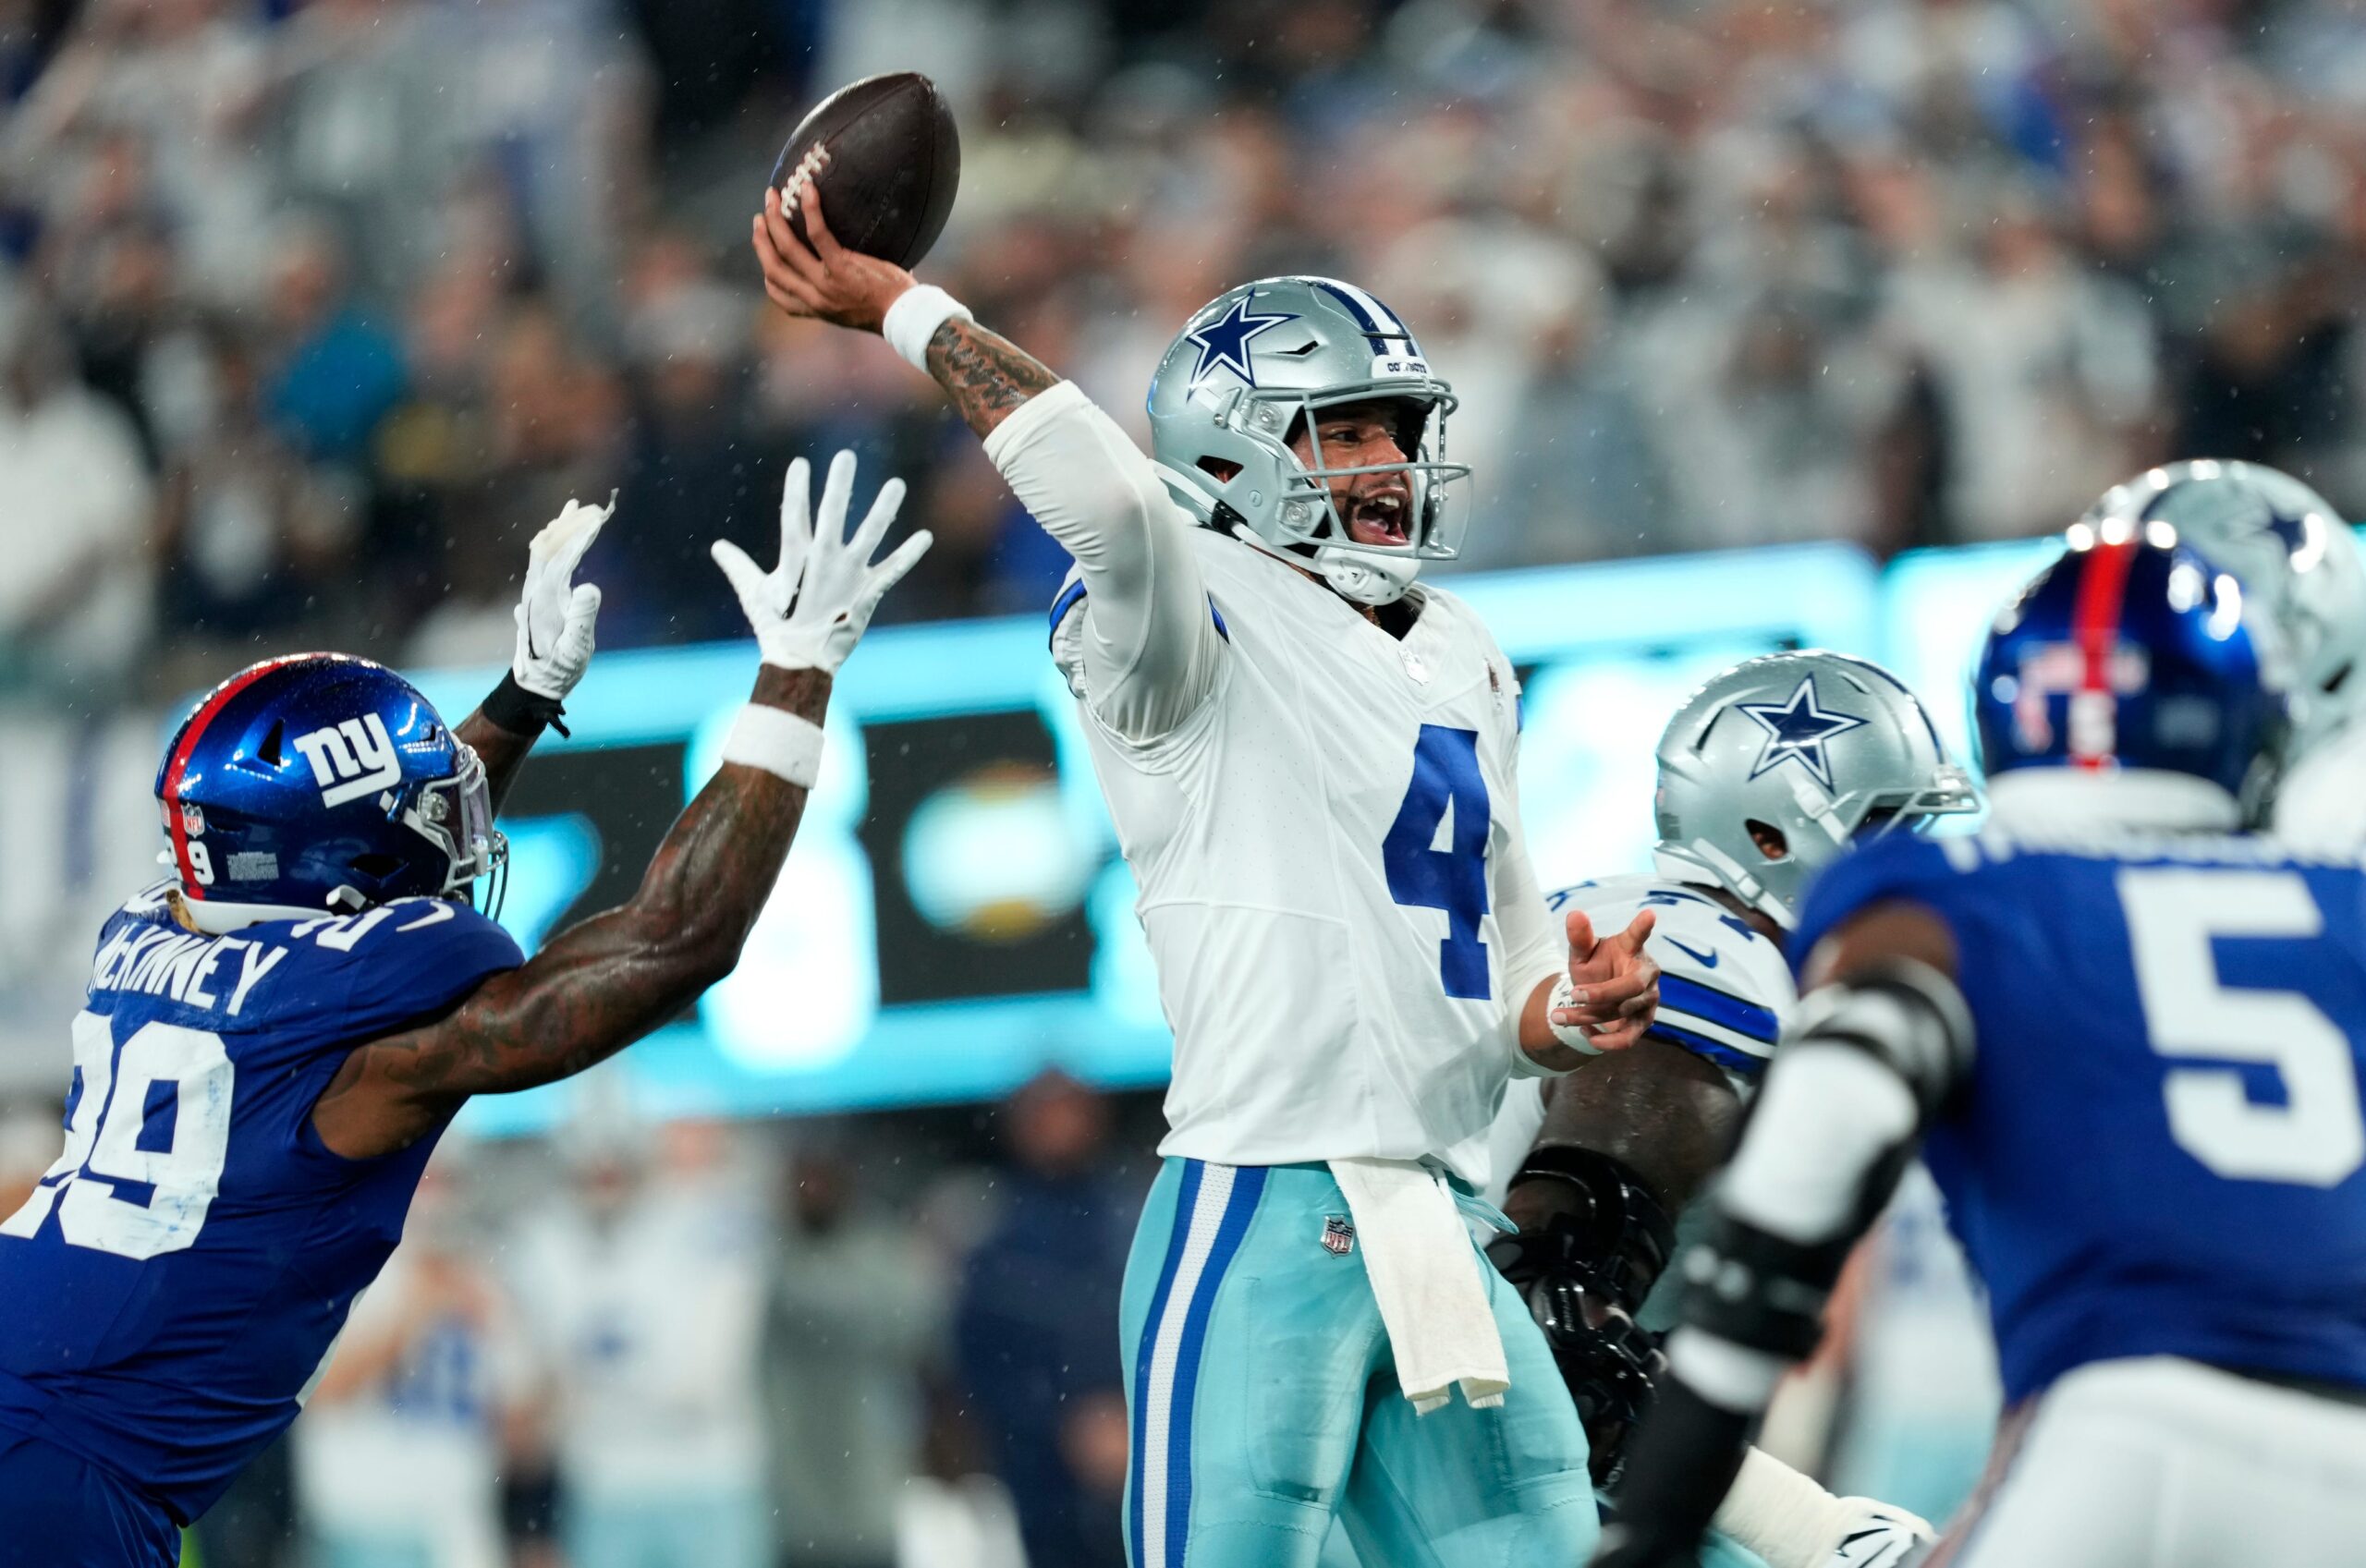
(601, 984)
(985, 375)
(500, 750)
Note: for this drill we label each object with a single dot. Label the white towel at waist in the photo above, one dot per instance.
(1427, 1277)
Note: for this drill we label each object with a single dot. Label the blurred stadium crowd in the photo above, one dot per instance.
(312, 311)
(310, 314)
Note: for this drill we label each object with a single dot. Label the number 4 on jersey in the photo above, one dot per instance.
(1454, 879)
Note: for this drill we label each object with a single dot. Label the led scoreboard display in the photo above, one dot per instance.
(955, 914)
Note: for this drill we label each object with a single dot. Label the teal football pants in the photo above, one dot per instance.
(1264, 1400)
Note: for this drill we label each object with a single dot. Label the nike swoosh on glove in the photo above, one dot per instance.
(556, 614)
(1879, 1536)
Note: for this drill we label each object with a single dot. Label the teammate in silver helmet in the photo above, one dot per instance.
(2300, 565)
(1769, 771)
(1310, 759)
(1774, 767)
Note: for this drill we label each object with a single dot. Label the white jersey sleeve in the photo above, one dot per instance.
(1535, 947)
(1725, 991)
(1145, 649)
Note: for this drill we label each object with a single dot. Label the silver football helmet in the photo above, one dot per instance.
(2295, 557)
(1233, 389)
(1774, 768)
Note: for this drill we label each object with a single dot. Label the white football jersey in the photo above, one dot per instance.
(1725, 992)
(2321, 803)
(1331, 875)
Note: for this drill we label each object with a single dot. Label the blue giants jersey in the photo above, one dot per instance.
(172, 1285)
(2160, 1149)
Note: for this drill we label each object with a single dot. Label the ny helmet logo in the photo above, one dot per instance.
(351, 760)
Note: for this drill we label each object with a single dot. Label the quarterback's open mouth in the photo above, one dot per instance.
(1380, 518)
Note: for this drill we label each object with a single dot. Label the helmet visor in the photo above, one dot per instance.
(456, 815)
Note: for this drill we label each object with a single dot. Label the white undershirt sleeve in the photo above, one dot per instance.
(1535, 950)
(1151, 645)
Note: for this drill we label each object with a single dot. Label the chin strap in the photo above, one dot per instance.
(1357, 575)
(1365, 577)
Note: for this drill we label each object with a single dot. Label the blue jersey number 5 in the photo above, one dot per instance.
(1445, 778)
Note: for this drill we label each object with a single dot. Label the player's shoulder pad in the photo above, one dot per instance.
(406, 959)
(1473, 631)
(1933, 871)
(1068, 628)
(1726, 991)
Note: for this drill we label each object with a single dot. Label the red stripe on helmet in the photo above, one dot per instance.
(177, 765)
(2094, 624)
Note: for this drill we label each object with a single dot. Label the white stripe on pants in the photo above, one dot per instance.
(1158, 1397)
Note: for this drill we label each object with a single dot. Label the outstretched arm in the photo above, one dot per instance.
(1881, 1039)
(1151, 648)
(555, 616)
(607, 981)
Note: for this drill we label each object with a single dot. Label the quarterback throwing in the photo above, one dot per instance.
(1310, 758)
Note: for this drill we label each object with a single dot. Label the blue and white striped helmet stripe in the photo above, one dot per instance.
(1379, 323)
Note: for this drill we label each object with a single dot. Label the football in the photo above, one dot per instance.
(885, 158)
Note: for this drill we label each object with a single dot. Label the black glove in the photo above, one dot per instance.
(1583, 1271)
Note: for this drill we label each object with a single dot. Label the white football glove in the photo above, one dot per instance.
(1876, 1534)
(1791, 1522)
(809, 611)
(556, 614)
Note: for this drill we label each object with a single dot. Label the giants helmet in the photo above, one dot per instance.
(320, 784)
(1821, 748)
(1248, 370)
(2297, 561)
(2131, 659)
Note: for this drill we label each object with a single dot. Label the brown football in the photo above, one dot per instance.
(883, 157)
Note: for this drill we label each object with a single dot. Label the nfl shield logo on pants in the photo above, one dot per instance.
(1338, 1235)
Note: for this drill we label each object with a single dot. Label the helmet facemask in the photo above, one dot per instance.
(455, 814)
(1298, 498)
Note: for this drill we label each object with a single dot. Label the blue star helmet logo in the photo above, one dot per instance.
(1224, 342)
(1797, 731)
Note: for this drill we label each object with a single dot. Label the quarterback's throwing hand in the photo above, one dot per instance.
(1615, 984)
(556, 614)
(824, 280)
(809, 611)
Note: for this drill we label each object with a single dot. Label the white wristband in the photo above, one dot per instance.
(777, 741)
(913, 319)
(1565, 995)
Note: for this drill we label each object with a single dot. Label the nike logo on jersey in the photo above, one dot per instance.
(1706, 960)
(351, 760)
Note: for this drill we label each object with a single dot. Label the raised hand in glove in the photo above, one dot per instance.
(809, 611)
(556, 614)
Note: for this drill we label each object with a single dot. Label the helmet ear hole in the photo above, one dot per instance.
(1769, 839)
(377, 868)
(1222, 471)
